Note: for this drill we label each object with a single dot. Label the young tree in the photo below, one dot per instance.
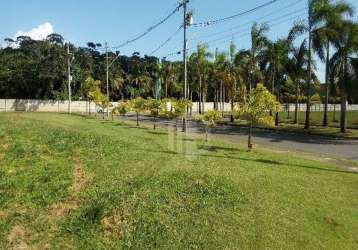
(89, 89)
(179, 108)
(122, 109)
(210, 119)
(138, 105)
(256, 111)
(153, 106)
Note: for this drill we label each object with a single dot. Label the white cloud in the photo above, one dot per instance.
(38, 33)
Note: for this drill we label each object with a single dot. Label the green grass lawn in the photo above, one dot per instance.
(317, 118)
(69, 182)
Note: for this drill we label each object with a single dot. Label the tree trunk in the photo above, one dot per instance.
(308, 90)
(334, 113)
(249, 141)
(325, 114)
(233, 96)
(155, 123)
(200, 94)
(166, 88)
(206, 134)
(343, 110)
(203, 102)
(137, 119)
(344, 98)
(295, 121)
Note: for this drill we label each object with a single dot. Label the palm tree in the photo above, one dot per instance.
(232, 83)
(297, 70)
(258, 44)
(242, 72)
(219, 74)
(274, 60)
(328, 16)
(200, 57)
(344, 66)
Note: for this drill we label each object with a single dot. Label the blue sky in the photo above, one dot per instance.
(116, 21)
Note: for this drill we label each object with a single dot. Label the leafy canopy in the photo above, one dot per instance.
(258, 106)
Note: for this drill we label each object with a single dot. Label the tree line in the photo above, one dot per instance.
(38, 69)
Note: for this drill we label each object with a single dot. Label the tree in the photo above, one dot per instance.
(256, 110)
(122, 109)
(210, 119)
(258, 44)
(90, 89)
(297, 68)
(138, 105)
(153, 106)
(179, 108)
(329, 16)
(200, 58)
(344, 65)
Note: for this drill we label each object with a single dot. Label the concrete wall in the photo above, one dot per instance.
(11, 105)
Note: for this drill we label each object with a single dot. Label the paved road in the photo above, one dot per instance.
(343, 149)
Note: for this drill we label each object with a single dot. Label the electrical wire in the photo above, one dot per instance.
(151, 28)
(166, 41)
(224, 19)
(239, 26)
(228, 40)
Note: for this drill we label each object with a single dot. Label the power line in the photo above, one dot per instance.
(151, 28)
(271, 20)
(239, 26)
(166, 41)
(224, 19)
(231, 35)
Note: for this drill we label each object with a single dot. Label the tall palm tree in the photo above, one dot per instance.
(297, 70)
(233, 82)
(344, 64)
(328, 16)
(201, 57)
(242, 72)
(258, 44)
(220, 70)
(274, 60)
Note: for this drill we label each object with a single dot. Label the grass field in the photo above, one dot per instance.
(80, 183)
(317, 118)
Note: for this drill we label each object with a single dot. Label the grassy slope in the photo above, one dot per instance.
(73, 182)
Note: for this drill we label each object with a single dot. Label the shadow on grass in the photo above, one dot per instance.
(217, 148)
(156, 133)
(271, 162)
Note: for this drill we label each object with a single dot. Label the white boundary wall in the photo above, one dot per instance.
(24, 105)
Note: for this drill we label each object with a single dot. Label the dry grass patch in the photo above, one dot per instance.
(80, 181)
(17, 238)
(113, 224)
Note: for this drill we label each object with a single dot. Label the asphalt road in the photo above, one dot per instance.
(343, 149)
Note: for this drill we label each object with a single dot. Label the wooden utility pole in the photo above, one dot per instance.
(185, 60)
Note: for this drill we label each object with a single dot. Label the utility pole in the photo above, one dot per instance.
(185, 61)
(309, 75)
(107, 78)
(69, 78)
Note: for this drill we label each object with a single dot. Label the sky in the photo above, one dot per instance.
(116, 21)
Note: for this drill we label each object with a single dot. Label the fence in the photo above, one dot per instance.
(24, 105)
